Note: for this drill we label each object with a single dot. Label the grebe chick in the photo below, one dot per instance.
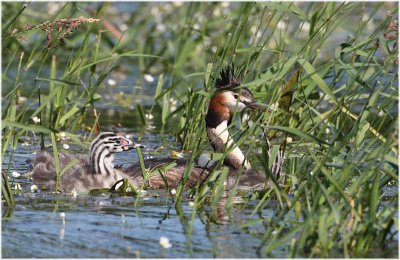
(227, 100)
(85, 174)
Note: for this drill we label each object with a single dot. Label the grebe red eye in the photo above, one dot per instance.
(236, 96)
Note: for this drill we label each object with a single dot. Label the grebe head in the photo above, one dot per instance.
(103, 148)
(112, 143)
(229, 98)
(236, 100)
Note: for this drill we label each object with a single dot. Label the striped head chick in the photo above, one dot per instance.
(103, 148)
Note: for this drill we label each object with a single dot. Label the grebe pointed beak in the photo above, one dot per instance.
(133, 146)
(138, 146)
(256, 106)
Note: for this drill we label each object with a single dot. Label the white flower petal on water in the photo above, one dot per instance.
(173, 191)
(17, 186)
(15, 174)
(289, 139)
(191, 204)
(148, 78)
(36, 119)
(164, 242)
(66, 146)
(111, 82)
(34, 188)
(62, 216)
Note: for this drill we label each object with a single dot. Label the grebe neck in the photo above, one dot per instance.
(220, 140)
(101, 159)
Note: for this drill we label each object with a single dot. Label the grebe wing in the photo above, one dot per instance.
(173, 175)
(44, 169)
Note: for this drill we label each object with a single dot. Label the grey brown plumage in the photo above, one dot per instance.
(252, 180)
(95, 172)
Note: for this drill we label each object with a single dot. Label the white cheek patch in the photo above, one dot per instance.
(233, 104)
(237, 107)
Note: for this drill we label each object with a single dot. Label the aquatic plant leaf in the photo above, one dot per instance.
(298, 133)
(68, 115)
(113, 57)
(318, 80)
(287, 7)
(142, 116)
(62, 82)
(27, 127)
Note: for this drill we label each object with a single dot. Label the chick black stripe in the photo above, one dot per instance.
(93, 159)
(103, 149)
(106, 169)
(104, 153)
(111, 142)
(94, 147)
(95, 156)
(101, 137)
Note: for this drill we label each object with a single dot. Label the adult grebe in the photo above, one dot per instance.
(228, 99)
(85, 174)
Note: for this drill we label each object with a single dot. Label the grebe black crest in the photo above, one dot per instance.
(85, 174)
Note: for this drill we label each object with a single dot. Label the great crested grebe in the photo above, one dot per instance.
(85, 174)
(228, 99)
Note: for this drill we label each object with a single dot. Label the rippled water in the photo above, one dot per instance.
(112, 226)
